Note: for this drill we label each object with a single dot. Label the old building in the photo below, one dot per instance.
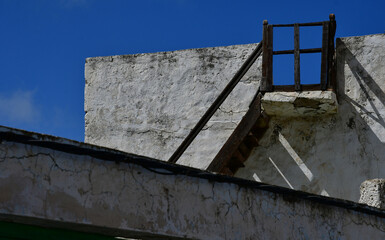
(272, 163)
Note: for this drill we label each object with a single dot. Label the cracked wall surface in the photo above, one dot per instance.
(332, 155)
(148, 103)
(56, 185)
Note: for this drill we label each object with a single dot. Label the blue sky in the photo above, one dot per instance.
(44, 43)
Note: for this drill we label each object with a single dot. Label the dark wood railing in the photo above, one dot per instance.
(266, 46)
(327, 81)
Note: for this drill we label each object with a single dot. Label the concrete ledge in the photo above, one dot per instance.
(298, 104)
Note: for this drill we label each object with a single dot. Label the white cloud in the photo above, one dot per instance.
(19, 107)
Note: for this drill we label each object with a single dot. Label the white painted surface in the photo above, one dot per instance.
(53, 185)
(332, 155)
(148, 103)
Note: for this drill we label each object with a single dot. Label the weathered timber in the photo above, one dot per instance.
(234, 165)
(297, 80)
(304, 87)
(331, 58)
(218, 101)
(299, 24)
(265, 84)
(222, 159)
(269, 70)
(308, 50)
(251, 141)
(239, 156)
(260, 127)
(227, 171)
(244, 150)
(324, 55)
(328, 80)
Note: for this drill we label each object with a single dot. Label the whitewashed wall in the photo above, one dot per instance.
(148, 103)
(139, 197)
(332, 155)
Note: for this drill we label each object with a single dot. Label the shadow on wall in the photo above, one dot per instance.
(328, 155)
(370, 89)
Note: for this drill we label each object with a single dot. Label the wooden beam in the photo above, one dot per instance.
(244, 150)
(216, 104)
(297, 73)
(324, 56)
(239, 156)
(269, 76)
(308, 50)
(331, 59)
(223, 157)
(251, 141)
(227, 171)
(265, 58)
(304, 87)
(299, 24)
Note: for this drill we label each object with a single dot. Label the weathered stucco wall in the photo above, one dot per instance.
(139, 197)
(332, 154)
(148, 103)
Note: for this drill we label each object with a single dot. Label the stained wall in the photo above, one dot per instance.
(99, 190)
(332, 154)
(148, 103)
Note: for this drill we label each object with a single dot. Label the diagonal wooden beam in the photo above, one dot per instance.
(223, 157)
(216, 104)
